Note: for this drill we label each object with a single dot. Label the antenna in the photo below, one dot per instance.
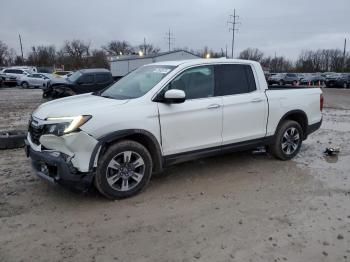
(169, 38)
(233, 22)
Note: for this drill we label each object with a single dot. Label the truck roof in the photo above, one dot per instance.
(204, 61)
(94, 70)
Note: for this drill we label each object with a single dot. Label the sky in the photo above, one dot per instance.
(284, 27)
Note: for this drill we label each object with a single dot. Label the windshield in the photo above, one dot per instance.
(74, 77)
(138, 82)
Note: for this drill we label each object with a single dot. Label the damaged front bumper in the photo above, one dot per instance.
(65, 160)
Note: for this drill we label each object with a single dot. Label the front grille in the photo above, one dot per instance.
(35, 133)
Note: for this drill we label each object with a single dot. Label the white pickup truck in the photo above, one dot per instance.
(165, 113)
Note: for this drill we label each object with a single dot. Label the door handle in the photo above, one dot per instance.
(256, 100)
(213, 106)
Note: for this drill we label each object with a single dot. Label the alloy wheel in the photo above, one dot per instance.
(290, 140)
(125, 170)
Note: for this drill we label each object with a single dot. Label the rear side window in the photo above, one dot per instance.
(86, 79)
(102, 78)
(234, 79)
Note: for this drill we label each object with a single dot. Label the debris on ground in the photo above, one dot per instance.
(331, 151)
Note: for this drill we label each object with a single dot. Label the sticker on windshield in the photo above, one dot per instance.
(161, 70)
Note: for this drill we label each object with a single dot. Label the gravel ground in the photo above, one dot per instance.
(238, 207)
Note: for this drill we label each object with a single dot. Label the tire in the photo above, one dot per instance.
(24, 85)
(345, 85)
(279, 149)
(12, 139)
(281, 83)
(117, 165)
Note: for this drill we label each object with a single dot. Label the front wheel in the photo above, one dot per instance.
(288, 140)
(123, 170)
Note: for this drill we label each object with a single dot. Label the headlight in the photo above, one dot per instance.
(64, 125)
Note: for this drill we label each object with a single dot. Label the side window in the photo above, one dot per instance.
(86, 79)
(234, 79)
(102, 78)
(250, 78)
(197, 82)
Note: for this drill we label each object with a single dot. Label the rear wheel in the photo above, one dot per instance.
(25, 84)
(288, 140)
(124, 170)
(345, 85)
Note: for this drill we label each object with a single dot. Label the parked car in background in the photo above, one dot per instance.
(165, 113)
(332, 80)
(301, 76)
(342, 80)
(284, 79)
(31, 69)
(313, 80)
(10, 76)
(61, 73)
(34, 80)
(80, 82)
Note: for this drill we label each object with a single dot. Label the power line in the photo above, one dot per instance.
(233, 22)
(169, 38)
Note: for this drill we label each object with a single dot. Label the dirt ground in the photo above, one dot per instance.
(238, 207)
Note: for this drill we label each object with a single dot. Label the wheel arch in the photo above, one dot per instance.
(141, 136)
(298, 116)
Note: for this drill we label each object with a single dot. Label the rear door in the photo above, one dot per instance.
(85, 84)
(102, 81)
(244, 107)
(196, 123)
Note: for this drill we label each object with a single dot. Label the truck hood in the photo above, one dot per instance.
(59, 80)
(85, 104)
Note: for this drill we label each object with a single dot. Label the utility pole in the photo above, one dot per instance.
(344, 55)
(169, 38)
(144, 45)
(233, 22)
(20, 42)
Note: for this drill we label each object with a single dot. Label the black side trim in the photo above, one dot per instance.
(312, 128)
(156, 154)
(240, 146)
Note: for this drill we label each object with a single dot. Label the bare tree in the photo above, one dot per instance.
(7, 55)
(98, 59)
(149, 49)
(74, 54)
(42, 56)
(320, 60)
(252, 54)
(118, 48)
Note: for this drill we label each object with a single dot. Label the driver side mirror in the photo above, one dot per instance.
(174, 96)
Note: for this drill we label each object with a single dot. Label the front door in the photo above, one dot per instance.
(196, 123)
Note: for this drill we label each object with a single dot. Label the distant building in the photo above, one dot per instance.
(121, 65)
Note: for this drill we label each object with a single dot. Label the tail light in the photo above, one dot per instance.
(321, 102)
